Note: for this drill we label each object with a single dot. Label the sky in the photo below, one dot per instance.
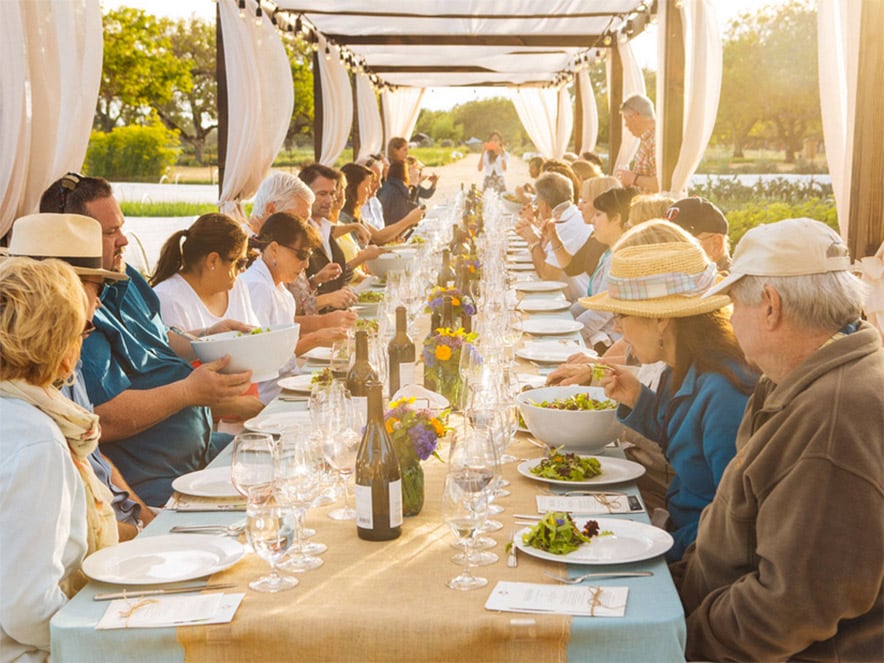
(644, 46)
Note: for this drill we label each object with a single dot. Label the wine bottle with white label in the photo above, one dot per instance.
(402, 353)
(378, 482)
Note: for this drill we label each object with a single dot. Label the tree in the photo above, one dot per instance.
(301, 61)
(479, 118)
(139, 68)
(193, 112)
(770, 73)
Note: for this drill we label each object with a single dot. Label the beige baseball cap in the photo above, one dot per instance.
(793, 247)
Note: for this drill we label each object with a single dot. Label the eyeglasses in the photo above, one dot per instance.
(88, 328)
(301, 254)
(68, 183)
(239, 264)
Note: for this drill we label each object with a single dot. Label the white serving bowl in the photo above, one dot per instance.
(511, 206)
(576, 430)
(263, 354)
(390, 262)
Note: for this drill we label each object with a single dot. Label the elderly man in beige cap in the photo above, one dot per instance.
(789, 557)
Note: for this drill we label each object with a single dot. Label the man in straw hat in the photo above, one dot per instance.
(789, 557)
(154, 407)
(658, 274)
(76, 239)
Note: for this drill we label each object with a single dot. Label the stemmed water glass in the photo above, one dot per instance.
(251, 465)
(339, 451)
(463, 509)
(296, 483)
(270, 532)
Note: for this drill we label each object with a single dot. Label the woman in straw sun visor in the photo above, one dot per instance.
(654, 291)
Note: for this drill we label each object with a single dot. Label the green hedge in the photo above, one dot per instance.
(132, 153)
(755, 213)
(161, 209)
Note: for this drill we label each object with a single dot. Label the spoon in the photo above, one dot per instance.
(588, 576)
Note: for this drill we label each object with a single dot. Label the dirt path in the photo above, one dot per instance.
(465, 170)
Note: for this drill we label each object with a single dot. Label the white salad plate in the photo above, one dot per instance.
(321, 354)
(544, 305)
(520, 267)
(541, 286)
(301, 383)
(148, 560)
(549, 352)
(628, 541)
(543, 326)
(213, 482)
(521, 257)
(614, 470)
(278, 422)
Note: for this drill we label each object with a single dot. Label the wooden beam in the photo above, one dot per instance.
(221, 100)
(865, 229)
(431, 69)
(533, 40)
(615, 100)
(673, 98)
(317, 109)
(434, 16)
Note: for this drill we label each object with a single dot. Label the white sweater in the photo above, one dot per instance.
(42, 528)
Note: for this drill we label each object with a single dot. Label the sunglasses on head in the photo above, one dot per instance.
(68, 183)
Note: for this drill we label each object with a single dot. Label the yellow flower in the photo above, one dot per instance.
(390, 423)
(455, 301)
(438, 427)
(443, 353)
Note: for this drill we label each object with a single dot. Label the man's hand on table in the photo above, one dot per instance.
(342, 298)
(206, 385)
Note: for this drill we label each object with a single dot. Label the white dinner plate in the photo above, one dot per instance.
(278, 422)
(301, 383)
(214, 482)
(321, 354)
(520, 267)
(614, 470)
(549, 352)
(148, 560)
(545, 326)
(521, 257)
(543, 305)
(629, 541)
(541, 286)
(531, 380)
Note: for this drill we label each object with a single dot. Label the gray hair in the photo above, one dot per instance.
(279, 188)
(824, 301)
(640, 104)
(554, 189)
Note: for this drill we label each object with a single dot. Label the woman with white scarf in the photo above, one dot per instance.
(53, 510)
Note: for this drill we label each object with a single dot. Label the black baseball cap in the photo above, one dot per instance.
(697, 215)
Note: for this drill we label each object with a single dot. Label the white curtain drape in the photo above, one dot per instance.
(564, 122)
(371, 131)
(337, 104)
(838, 52)
(703, 63)
(633, 83)
(547, 118)
(49, 85)
(590, 127)
(260, 101)
(401, 108)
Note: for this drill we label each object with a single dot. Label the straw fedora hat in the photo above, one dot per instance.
(74, 238)
(659, 281)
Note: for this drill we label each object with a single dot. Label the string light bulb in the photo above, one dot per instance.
(259, 14)
(242, 8)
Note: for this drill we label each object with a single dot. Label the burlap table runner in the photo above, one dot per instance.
(388, 601)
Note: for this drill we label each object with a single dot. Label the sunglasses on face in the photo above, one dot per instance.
(301, 254)
(239, 264)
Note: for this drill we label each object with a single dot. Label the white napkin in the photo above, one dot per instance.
(180, 502)
(423, 397)
(170, 611)
(581, 600)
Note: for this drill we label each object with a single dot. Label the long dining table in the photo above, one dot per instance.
(389, 601)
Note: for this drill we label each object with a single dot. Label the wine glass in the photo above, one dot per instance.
(269, 528)
(251, 466)
(296, 483)
(463, 507)
(472, 449)
(340, 452)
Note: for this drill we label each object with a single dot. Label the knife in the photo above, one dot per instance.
(110, 596)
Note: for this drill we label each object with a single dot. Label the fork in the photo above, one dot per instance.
(588, 576)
